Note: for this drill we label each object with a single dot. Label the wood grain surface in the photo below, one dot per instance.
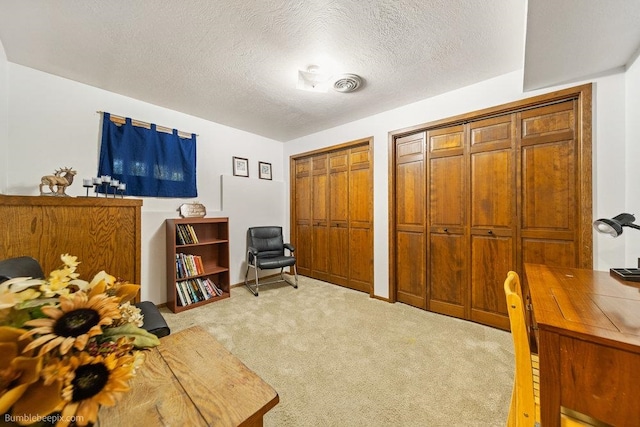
(191, 379)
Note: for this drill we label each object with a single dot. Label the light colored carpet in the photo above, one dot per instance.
(337, 357)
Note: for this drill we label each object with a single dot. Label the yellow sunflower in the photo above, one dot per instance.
(19, 376)
(103, 282)
(96, 381)
(72, 324)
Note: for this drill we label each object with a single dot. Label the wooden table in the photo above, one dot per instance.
(589, 343)
(192, 380)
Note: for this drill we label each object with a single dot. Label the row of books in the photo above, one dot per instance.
(195, 290)
(188, 265)
(186, 234)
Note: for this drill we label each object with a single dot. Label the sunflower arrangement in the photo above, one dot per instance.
(67, 346)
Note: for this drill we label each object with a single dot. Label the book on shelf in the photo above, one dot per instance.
(186, 234)
(181, 298)
(192, 233)
(188, 265)
(196, 290)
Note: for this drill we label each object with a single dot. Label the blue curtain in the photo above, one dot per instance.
(150, 163)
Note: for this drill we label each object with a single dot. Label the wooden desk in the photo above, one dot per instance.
(589, 343)
(192, 380)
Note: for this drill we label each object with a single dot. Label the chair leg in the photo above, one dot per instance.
(295, 284)
(246, 282)
(257, 284)
(295, 274)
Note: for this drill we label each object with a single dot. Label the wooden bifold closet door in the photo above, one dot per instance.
(476, 196)
(332, 214)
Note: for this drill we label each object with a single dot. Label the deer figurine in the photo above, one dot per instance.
(61, 179)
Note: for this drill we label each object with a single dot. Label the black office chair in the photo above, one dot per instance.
(24, 266)
(265, 251)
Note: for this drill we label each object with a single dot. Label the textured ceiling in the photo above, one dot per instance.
(573, 40)
(236, 62)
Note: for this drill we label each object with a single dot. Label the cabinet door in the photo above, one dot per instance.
(339, 217)
(549, 193)
(448, 247)
(492, 216)
(320, 217)
(302, 205)
(410, 250)
(360, 199)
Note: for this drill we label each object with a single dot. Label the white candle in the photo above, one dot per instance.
(115, 182)
(87, 182)
(97, 181)
(122, 186)
(106, 178)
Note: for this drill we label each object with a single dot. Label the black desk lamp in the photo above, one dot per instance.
(613, 227)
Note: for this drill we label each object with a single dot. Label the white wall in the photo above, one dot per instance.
(608, 103)
(53, 123)
(4, 105)
(632, 155)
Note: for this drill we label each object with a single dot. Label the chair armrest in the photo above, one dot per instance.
(289, 246)
(252, 250)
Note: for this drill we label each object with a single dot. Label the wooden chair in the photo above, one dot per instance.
(525, 399)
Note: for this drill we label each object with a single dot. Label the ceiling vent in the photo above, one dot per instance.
(347, 83)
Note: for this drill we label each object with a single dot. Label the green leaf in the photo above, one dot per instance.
(143, 339)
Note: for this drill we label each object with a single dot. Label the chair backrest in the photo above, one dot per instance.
(267, 240)
(24, 266)
(523, 384)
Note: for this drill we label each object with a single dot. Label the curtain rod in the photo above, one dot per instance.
(139, 123)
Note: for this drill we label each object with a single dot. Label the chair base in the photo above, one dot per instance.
(254, 288)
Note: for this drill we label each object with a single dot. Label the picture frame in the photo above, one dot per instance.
(240, 166)
(264, 170)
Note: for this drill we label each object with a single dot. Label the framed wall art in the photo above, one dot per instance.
(240, 166)
(264, 170)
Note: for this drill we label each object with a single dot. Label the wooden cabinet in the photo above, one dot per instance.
(197, 256)
(497, 190)
(332, 215)
(105, 234)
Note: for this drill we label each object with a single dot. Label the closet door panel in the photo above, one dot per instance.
(360, 188)
(410, 216)
(556, 253)
(446, 191)
(320, 217)
(339, 217)
(411, 270)
(550, 185)
(361, 259)
(303, 237)
(447, 280)
(492, 189)
(448, 274)
(492, 209)
(491, 259)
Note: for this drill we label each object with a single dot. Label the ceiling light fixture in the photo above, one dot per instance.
(313, 79)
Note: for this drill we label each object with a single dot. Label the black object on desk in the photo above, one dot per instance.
(631, 274)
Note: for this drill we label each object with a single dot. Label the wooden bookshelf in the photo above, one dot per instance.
(197, 255)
